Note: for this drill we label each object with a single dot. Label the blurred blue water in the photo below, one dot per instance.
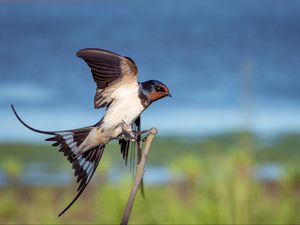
(229, 64)
(41, 174)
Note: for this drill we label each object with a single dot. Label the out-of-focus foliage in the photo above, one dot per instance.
(212, 181)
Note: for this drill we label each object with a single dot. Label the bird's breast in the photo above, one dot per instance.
(127, 107)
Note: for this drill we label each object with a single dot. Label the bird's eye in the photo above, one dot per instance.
(159, 89)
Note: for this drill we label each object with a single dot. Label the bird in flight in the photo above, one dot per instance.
(118, 90)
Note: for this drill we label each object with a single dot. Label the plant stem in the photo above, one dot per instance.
(139, 175)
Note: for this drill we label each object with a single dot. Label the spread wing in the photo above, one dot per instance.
(109, 70)
(134, 147)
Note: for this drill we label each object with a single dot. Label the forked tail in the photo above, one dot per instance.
(68, 142)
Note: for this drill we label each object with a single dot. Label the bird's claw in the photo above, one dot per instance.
(129, 134)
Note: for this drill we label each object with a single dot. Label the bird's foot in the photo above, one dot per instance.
(144, 132)
(129, 134)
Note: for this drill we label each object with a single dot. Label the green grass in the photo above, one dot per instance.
(216, 185)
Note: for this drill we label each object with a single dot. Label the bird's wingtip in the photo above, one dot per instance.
(79, 53)
(94, 53)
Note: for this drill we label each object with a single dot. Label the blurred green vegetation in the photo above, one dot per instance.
(216, 184)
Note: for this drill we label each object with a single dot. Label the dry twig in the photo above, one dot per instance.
(139, 175)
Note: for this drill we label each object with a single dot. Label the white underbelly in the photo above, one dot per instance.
(119, 114)
(125, 109)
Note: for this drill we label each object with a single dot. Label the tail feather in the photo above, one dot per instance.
(29, 127)
(68, 141)
(85, 167)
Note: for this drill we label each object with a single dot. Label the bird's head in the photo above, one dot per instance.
(155, 90)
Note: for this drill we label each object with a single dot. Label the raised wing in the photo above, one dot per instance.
(134, 147)
(109, 70)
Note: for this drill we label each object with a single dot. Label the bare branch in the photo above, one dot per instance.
(139, 175)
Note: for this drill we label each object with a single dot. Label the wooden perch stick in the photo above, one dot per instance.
(139, 175)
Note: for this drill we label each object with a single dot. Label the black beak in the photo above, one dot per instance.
(169, 95)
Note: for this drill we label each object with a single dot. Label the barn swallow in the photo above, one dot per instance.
(117, 90)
